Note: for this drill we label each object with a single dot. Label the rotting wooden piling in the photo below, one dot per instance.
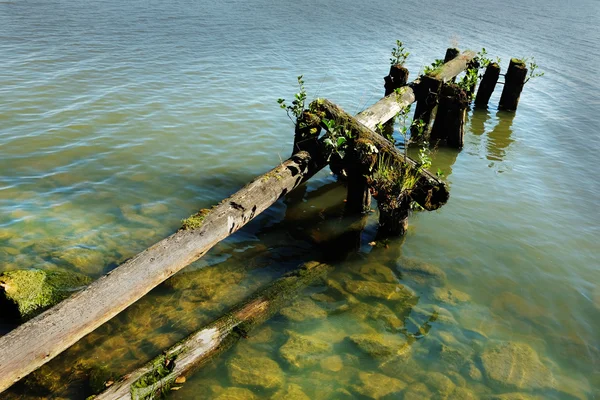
(397, 77)
(487, 85)
(431, 85)
(451, 54)
(449, 124)
(514, 80)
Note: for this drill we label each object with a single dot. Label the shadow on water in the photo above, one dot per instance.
(499, 139)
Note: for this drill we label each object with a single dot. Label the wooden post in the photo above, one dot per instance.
(451, 54)
(393, 217)
(451, 115)
(397, 78)
(306, 138)
(487, 85)
(358, 199)
(513, 85)
(426, 104)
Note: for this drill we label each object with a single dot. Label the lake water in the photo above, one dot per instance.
(118, 119)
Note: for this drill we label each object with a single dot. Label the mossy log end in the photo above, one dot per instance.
(42, 338)
(26, 293)
(159, 375)
(429, 192)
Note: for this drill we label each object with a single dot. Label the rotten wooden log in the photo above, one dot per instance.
(487, 85)
(514, 80)
(160, 374)
(429, 191)
(42, 338)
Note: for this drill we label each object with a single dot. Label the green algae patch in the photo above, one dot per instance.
(195, 221)
(26, 293)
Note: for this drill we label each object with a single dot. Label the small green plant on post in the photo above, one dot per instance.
(294, 111)
(532, 67)
(399, 54)
(434, 67)
(398, 75)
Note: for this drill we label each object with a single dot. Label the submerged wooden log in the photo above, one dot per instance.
(160, 374)
(448, 127)
(487, 85)
(26, 293)
(42, 338)
(514, 80)
(429, 191)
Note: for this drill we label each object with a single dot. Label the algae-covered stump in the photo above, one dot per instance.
(26, 293)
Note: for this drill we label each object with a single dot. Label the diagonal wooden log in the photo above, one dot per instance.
(158, 376)
(430, 192)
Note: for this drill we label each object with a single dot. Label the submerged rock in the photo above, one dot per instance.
(376, 386)
(515, 366)
(450, 296)
(462, 394)
(235, 393)
(513, 396)
(302, 351)
(303, 309)
(26, 293)
(439, 383)
(251, 369)
(377, 272)
(473, 372)
(417, 391)
(332, 363)
(291, 392)
(378, 345)
(419, 271)
(386, 291)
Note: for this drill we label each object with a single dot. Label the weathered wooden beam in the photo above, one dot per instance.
(453, 67)
(430, 192)
(159, 375)
(42, 338)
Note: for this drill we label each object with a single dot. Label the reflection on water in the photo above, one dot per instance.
(499, 138)
(478, 118)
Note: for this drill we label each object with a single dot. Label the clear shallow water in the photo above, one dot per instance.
(117, 120)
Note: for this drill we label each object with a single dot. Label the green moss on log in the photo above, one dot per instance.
(26, 293)
(195, 221)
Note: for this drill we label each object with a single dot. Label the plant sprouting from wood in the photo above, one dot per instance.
(434, 67)
(294, 111)
(399, 54)
(469, 80)
(337, 141)
(532, 67)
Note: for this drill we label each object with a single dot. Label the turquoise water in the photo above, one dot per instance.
(117, 120)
